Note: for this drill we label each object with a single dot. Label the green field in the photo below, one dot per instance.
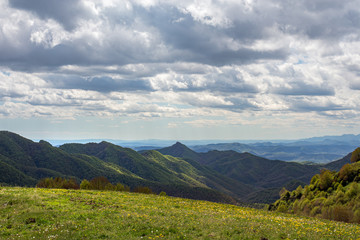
(33, 213)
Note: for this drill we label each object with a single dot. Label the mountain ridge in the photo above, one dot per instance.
(177, 169)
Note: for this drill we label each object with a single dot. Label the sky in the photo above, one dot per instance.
(154, 69)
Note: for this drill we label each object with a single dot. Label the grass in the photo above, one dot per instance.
(30, 213)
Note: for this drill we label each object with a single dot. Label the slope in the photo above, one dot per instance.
(266, 176)
(167, 170)
(331, 195)
(23, 162)
(39, 160)
(193, 170)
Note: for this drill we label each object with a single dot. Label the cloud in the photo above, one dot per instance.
(301, 88)
(100, 84)
(316, 105)
(67, 12)
(181, 59)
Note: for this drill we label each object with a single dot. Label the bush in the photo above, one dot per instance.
(353, 191)
(163, 194)
(85, 184)
(109, 187)
(356, 217)
(119, 187)
(58, 182)
(326, 179)
(283, 207)
(70, 184)
(99, 183)
(141, 189)
(341, 213)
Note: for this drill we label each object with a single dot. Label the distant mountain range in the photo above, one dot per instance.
(316, 150)
(223, 176)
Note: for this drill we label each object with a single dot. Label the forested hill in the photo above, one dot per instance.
(216, 175)
(24, 162)
(331, 195)
(269, 176)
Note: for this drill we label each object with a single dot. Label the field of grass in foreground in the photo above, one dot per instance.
(32, 213)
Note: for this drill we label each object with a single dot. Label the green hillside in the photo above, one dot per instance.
(193, 170)
(267, 177)
(24, 162)
(28, 213)
(217, 175)
(330, 195)
(167, 170)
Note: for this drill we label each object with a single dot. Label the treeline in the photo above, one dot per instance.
(330, 195)
(97, 183)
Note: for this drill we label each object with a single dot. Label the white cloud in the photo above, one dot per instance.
(192, 60)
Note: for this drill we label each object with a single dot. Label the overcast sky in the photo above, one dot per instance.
(153, 69)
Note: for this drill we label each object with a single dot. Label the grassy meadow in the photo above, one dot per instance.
(34, 213)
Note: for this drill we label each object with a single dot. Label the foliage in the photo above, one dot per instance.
(24, 163)
(142, 189)
(85, 184)
(330, 195)
(58, 182)
(355, 156)
(73, 214)
(163, 194)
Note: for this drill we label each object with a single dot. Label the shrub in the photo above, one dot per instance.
(326, 179)
(283, 207)
(356, 217)
(57, 182)
(348, 172)
(141, 189)
(341, 213)
(315, 211)
(109, 187)
(70, 184)
(119, 187)
(85, 184)
(99, 183)
(162, 193)
(353, 191)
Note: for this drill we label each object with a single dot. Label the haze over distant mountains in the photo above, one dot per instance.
(316, 149)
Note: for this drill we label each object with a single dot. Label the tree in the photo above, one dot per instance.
(99, 183)
(355, 156)
(326, 179)
(85, 184)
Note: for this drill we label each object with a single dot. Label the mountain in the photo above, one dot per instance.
(180, 150)
(24, 162)
(319, 150)
(246, 167)
(331, 195)
(266, 176)
(338, 164)
(154, 166)
(178, 170)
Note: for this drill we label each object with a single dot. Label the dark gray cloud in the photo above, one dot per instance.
(99, 84)
(174, 35)
(232, 55)
(301, 88)
(207, 44)
(326, 20)
(312, 105)
(65, 12)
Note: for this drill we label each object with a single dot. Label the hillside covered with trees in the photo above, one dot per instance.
(331, 195)
(222, 176)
